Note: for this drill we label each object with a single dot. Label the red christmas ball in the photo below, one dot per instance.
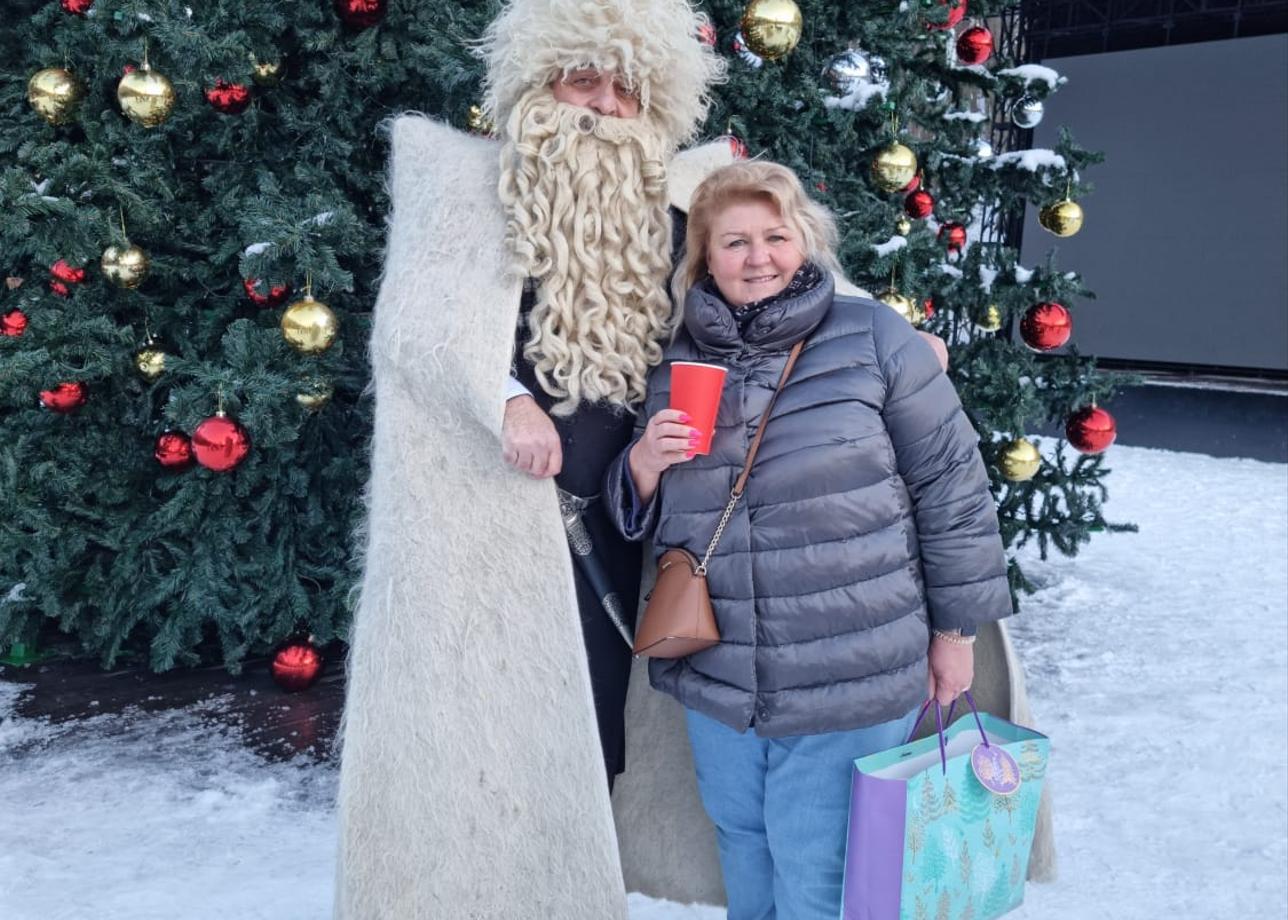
(956, 12)
(13, 323)
(975, 45)
(173, 450)
(229, 98)
(707, 34)
(1091, 430)
(66, 397)
(928, 306)
(219, 443)
(739, 149)
(76, 7)
(953, 235)
(297, 665)
(1045, 326)
(914, 184)
(59, 288)
(919, 204)
(261, 295)
(360, 14)
(68, 274)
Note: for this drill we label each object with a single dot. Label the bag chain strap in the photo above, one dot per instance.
(741, 484)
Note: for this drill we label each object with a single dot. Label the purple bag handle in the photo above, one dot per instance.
(940, 722)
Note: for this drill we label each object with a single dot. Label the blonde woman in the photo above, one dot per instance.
(862, 557)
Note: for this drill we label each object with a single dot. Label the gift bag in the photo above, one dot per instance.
(940, 829)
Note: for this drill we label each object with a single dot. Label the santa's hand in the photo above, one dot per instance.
(529, 442)
(937, 346)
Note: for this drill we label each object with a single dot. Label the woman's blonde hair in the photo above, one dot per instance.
(751, 180)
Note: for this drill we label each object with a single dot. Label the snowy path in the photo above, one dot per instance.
(1157, 662)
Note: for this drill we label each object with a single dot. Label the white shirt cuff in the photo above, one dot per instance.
(513, 388)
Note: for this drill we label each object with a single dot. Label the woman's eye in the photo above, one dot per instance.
(734, 243)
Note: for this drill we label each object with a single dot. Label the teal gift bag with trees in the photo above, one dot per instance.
(941, 828)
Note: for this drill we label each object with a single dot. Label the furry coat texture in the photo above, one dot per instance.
(471, 782)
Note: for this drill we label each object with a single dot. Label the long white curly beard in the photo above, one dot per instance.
(588, 219)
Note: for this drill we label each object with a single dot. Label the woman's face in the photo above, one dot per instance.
(752, 252)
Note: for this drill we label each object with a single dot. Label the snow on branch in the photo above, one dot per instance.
(1034, 73)
(857, 99)
(1032, 160)
(987, 275)
(894, 244)
(975, 117)
(255, 249)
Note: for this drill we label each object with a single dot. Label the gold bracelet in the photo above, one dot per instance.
(953, 638)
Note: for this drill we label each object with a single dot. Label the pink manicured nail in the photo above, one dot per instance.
(684, 418)
(694, 439)
(689, 455)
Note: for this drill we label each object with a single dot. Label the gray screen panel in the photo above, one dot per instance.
(1186, 235)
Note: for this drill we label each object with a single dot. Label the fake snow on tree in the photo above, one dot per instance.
(859, 98)
(1033, 160)
(894, 244)
(1034, 73)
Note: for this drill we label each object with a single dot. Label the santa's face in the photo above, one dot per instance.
(603, 92)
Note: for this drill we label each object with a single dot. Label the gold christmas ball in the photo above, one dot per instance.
(903, 226)
(267, 73)
(315, 395)
(53, 93)
(906, 307)
(771, 28)
(894, 167)
(309, 326)
(1020, 460)
(146, 97)
(992, 320)
(125, 266)
(478, 122)
(149, 361)
(1064, 218)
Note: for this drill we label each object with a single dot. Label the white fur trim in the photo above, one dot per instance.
(652, 43)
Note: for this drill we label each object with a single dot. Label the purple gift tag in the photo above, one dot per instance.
(995, 769)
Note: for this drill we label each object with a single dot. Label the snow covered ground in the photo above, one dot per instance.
(1158, 663)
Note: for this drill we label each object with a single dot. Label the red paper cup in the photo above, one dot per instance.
(695, 389)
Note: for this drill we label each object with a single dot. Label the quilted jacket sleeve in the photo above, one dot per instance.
(937, 453)
(635, 520)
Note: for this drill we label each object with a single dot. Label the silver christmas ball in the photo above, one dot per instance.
(846, 71)
(1027, 111)
(983, 149)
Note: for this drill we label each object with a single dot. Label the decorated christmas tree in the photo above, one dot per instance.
(194, 205)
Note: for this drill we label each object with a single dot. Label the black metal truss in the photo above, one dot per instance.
(1064, 28)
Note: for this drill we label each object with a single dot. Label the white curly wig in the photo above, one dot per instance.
(652, 44)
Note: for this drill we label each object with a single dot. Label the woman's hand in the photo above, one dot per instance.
(952, 668)
(667, 440)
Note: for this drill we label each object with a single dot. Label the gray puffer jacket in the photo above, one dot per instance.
(867, 516)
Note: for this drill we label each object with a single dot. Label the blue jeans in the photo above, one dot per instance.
(781, 807)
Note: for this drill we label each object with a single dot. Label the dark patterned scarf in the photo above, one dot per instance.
(806, 278)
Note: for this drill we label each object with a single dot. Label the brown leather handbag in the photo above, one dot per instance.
(678, 619)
